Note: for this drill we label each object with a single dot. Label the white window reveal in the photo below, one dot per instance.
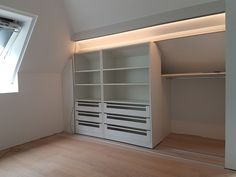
(15, 30)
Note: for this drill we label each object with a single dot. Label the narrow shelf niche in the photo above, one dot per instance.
(123, 93)
(87, 78)
(87, 62)
(92, 92)
(126, 76)
(126, 57)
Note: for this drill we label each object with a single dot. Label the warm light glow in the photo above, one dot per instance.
(196, 26)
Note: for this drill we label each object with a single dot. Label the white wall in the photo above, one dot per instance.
(89, 14)
(36, 111)
(67, 89)
(230, 154)
(198, 107)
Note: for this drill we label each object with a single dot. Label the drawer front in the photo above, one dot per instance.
(89, 128)
(128, 121)
(128, 135)
(88, 106)
(88, 116)
(127, 109)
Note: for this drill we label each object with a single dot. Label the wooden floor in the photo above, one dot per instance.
(193, 148)
(68, 156)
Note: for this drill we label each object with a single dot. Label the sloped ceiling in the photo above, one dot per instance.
(89, 14)
(203, 53)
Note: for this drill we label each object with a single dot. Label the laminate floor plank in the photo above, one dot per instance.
(67, 156)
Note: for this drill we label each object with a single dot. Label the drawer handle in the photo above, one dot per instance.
(126, 118)
(127, 107)
(127, 130)
(88, 114)
(89, 124)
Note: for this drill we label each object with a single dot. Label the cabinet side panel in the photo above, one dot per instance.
(159, 97)
(230, 150)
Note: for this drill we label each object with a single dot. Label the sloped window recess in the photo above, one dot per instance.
(15, 30)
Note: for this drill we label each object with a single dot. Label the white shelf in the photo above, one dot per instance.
(194, 75)
(87, 84)
(129, 101)
(88, 100)
(125, 68)
(88, 71)
(128, 84)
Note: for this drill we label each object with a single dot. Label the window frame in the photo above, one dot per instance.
(28, 22)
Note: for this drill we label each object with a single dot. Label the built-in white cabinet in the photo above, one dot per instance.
(113, 94)
(139, 94)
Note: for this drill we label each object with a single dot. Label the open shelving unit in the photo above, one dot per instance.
(87, 77)
(115, 86)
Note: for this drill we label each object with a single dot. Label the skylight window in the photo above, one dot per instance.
(9, 31)
(15, 30)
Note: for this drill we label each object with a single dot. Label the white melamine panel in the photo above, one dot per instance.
(88, 116)
(87, 78)
(88, 128)
(87, 61)
(127, 109)
(159, 97)
(88, 106)
(88, 92)
(127, 76)
(230, 150)
(128, 121)
(128, 135)
(129, 93)
(131, 56)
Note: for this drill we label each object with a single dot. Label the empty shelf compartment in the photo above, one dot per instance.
(85, 92)
(87, 78)
(87, 61)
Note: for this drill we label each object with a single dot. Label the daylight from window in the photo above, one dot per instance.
(16, 28)
(8, 60)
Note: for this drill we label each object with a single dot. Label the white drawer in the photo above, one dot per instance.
(88, 106)
(127, 109)
(89, 128)
(128, 135)
(128, 121)
(88, 116)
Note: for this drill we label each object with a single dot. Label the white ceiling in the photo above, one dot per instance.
(89, 14)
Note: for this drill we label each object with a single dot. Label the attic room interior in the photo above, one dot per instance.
(117, 88)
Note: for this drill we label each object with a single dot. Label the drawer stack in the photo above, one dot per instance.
(128, 123)
(88, 117)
